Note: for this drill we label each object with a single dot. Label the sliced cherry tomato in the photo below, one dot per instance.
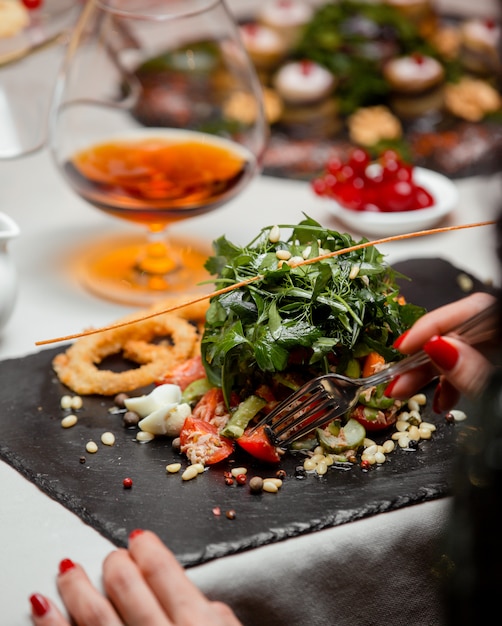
(259, 446)
(185, 373)
(374, 420)
(201, 442)
(211, 404)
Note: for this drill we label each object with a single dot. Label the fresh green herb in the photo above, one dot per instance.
(298, 322)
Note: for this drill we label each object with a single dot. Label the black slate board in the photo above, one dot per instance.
(34, 443)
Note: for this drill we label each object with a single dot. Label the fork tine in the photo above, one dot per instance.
(287, 406)
(327, 416)
(302, 415)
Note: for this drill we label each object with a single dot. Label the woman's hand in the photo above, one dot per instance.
(463, 369)
(144, 585)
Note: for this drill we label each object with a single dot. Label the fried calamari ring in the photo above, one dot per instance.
(77, 368)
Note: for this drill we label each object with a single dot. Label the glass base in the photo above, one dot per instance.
(111, 270)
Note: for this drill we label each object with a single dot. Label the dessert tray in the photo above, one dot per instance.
(357, 41)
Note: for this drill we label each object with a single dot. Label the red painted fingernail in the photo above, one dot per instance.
(135, 533)
(400, 339)
(441, 352)
(39, 604)
(65, 565)
(435, 399)
(388, 390)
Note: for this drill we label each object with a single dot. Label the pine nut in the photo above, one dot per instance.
(403, 442)
(91, 447)
(199, 467)
(413, 405)
(275, 234)
(354, 271)
(294, 260)
(413, 433)
(76, 403)
(306, 252)
(277, 482)
(425, 433)
(388, 446)
(65, 402)
(108, 439)
(428, 426)
(190, 472)
(239, 470)
(309, 465)
(69, 421)
(371, 449)
(269, 486)
(321, 468)
(402, 426)
(283, 255)
(173, 468)
(419, 398)
(380, 458)
(458, 416)
(144, 437)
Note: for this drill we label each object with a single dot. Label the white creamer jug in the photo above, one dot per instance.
(8, 275)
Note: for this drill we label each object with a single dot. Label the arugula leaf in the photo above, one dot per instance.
(301, 321)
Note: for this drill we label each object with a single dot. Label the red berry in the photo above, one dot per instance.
(398, 196)
(319, 187)
(359, 160)
(127, 482)
(334, 165)
(423, 198)
(404, 172)
(350, 197)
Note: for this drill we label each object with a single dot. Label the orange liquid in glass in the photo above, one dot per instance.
(158, 180)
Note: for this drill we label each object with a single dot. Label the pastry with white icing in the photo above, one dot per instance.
(264, 45)
(479, 45)
(416, 83)
(307, 90)
(287, 17)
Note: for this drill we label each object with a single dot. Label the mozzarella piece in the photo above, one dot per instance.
(167, 420)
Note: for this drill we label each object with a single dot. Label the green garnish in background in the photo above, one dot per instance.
(296, 323)
(344, 37)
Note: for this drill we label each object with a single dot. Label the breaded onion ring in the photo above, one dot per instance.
(77, 368)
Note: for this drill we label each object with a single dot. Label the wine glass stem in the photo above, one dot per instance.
(157, 259)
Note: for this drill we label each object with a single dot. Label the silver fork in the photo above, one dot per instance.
(332, 395)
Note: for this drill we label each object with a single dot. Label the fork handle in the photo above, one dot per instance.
(470, 331)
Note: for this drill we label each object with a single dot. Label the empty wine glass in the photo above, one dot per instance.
(157, 117)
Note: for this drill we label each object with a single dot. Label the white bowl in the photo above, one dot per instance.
(387, 224)
(8, 275)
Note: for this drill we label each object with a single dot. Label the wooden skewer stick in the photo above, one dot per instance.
(243, 283)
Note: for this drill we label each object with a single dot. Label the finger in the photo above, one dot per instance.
(409, 383)
(86, 605)
(181, 599)
(463, 366)
(441, 321)
(45, 613)
(446, 396)
(130, 593)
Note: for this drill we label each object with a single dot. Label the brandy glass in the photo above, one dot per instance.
(157, 117)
